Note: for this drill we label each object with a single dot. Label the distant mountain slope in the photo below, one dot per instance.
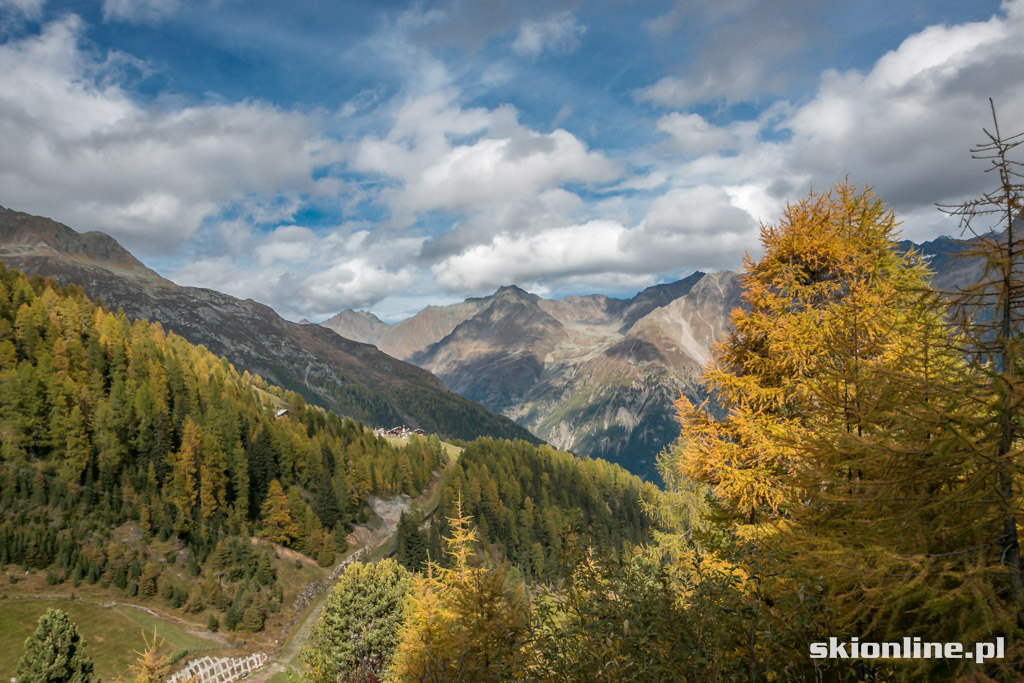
(591, 374)
(351, 378)
(950, 270)
(409, 336)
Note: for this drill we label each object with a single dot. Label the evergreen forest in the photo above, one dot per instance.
(856, 473)
(135, 460)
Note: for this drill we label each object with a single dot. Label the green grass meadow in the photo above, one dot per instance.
(112, 635)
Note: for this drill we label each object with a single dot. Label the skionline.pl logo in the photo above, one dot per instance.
(907, 648)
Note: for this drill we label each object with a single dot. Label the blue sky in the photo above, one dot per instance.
(318, 156)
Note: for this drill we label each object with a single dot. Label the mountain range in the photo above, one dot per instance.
(352, 378)
(594, 375)
(590, 374)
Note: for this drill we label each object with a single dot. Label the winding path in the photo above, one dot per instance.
(298, 633)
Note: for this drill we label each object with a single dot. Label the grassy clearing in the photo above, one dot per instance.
(112, 634)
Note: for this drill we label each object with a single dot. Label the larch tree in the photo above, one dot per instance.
(183, 487)
(278, 526)
(825, 296)
(924, 537)
(467, 622)
(804, 384)
(151, 665)
(991, 314)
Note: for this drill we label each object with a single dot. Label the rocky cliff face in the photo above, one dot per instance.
(349, 377)
(591, 374)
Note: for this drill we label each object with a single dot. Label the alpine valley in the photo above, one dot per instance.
(594, 375)
(590, 374)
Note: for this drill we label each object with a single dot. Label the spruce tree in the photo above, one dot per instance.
(411, 550)
(55, 653)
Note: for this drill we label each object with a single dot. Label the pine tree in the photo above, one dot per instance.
(355, 636)
(55, 653)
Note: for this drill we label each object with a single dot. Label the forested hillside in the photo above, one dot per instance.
(534, 506)
(530, 501)
(859, 480)
(133, 459)
(350, 378)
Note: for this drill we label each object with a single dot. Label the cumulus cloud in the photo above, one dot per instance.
(692, 135)
(78, 147)
(907, 124)
(470, 196)
(558, 33)
(698, 226)
(473, 162)
(303, 273)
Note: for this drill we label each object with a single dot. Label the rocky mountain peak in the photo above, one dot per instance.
(24, 239)
(513, 293)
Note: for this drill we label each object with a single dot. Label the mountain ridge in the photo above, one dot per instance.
(352, 378)
(592, 374)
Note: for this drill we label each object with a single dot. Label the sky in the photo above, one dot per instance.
(317, 156)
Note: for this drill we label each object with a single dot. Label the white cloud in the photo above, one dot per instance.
(29, 9)
(79, 148)
(686, 228)
(297, 289)
(472, 161)
(475, 198)
(306, 273)
(558, 33)
(692, 135)
(687, 212)
(357, 283)
(138, 11)
(906, 125)
(292, 243)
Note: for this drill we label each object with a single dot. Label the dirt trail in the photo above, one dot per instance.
(389, 511)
